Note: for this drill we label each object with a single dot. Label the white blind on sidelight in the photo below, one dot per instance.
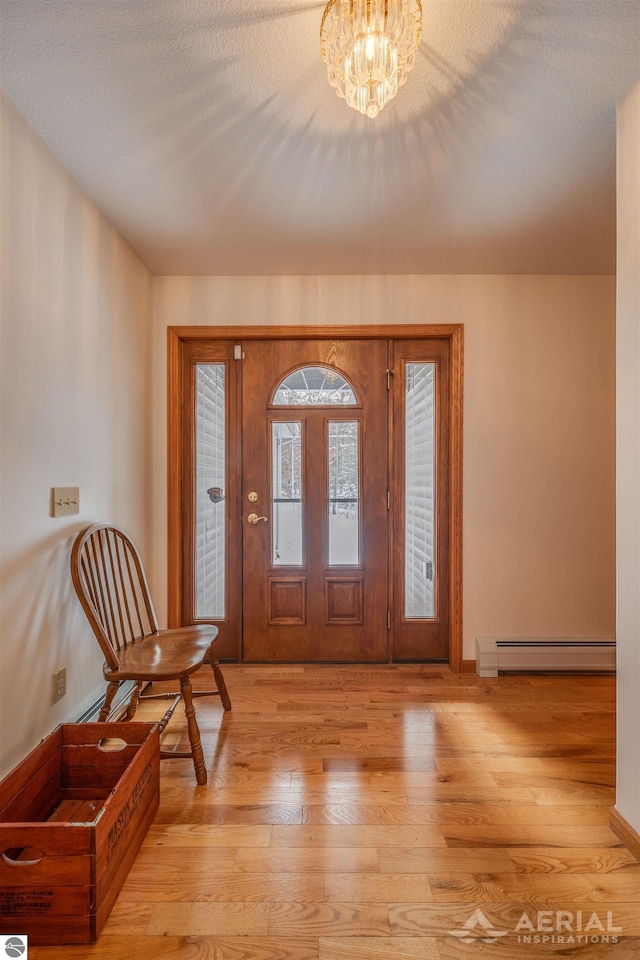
(210, 481)
(419, 490)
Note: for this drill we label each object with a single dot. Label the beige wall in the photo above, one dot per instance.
(74, 403)
(83, 402)
(628, 457)
(539, 446)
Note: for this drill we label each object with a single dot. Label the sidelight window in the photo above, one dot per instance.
(210, 483)
(419, 594)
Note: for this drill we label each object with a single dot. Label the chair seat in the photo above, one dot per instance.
(165, 655)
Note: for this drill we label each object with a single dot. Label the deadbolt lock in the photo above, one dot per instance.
(252, 497)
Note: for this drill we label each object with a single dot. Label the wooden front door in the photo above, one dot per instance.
(314, 500)
(315, 493)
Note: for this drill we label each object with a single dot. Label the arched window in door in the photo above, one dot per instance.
(316, 386)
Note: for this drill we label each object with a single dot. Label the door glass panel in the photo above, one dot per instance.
(419, 532)
(286, 493)
(210, 482)
(313, 387)
(344, 527)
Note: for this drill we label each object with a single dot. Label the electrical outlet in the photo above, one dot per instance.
(59, 684)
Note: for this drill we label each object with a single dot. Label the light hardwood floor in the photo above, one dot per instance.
(365, 813)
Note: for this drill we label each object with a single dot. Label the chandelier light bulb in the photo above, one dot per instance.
(369, 47)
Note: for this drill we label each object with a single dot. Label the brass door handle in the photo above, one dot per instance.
(254, 518)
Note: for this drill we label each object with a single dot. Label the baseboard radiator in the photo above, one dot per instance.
(118, 706)
(528, 655)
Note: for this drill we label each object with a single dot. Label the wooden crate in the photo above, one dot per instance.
(73, 815)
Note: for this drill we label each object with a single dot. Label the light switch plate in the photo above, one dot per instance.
(65, 501)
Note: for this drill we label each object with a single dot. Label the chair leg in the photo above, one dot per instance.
(108, 699)
(194, 732)
(221, 685)
(134, 700)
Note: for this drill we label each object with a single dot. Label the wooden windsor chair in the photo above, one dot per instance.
(112, 587)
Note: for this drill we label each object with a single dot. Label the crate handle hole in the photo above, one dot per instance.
(22, 857)
(111, 744)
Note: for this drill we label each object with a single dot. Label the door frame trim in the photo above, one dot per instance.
(454, 332)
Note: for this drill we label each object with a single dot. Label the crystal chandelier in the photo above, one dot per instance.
(369, 47)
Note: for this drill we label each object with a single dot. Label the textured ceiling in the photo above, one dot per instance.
(208, 134)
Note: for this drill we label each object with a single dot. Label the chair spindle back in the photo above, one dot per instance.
(113, 590)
